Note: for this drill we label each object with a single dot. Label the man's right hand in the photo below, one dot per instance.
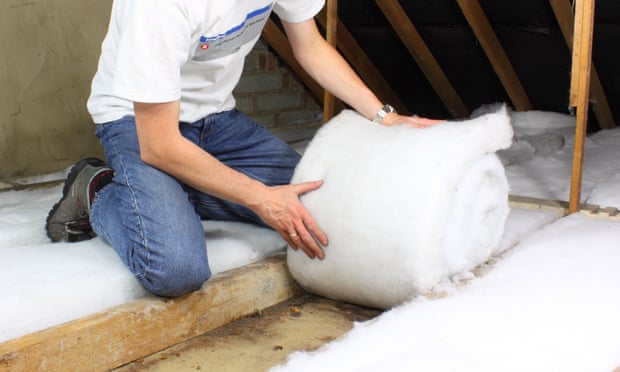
(281, 209)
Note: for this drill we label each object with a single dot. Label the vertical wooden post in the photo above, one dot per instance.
(600, 105)
(331, 36)
(580, 89)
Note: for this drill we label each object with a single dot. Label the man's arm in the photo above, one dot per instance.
(333, 73)
(163, 146)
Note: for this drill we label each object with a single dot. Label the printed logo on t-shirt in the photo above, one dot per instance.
(228, 42)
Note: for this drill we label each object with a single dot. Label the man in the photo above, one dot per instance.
(177, 149)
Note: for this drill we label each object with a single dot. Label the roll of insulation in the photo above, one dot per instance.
(403, 208)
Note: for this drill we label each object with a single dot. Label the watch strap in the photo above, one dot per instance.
(383, 111)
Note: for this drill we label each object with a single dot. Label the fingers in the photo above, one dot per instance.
(292, 238)
(305, 237)
(285, 213)
(413, 121)
(314, 230)
(419, 122)
(304, 187)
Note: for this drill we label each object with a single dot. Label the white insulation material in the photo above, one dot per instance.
(403, 208)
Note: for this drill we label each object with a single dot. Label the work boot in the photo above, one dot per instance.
(69, 218)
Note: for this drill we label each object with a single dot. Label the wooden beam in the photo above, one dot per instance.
(494, 51)
(580, 89)
(594, 211)
(420, 52)
(524, 202)
(360, 62)
(561, 208)
(566, 20)
(278, 41)
(331, 37)
(128, 332)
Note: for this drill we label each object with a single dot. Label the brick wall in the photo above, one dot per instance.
(272, 95)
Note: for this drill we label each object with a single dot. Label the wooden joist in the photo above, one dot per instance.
(561, 208)
(608, 213)
(128, 332)
(495, 52)
(566, 20)
(524, 202)
(420, 52)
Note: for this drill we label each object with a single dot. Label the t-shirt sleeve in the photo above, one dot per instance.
(298, 10)
(154, 40)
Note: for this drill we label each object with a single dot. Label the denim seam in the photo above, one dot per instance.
(135, 210)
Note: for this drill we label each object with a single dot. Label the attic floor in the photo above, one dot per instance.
(261, 341)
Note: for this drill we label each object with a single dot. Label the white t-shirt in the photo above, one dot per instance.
(193, 50)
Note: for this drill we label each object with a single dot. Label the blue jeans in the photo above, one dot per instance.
(153, 220)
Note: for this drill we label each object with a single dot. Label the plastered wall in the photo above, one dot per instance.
(48, 54)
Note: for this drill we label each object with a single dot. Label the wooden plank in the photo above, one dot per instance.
(331, 25)
(566, 19)
(360, 62)
(524, 202)
(278, 41)
(594, 211)
(129, 332)
(496, 54)
(561, 208)
(580, 89)
(420, 52)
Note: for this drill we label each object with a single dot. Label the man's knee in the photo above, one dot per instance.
(173, 281)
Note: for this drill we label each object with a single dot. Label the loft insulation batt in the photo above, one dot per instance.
(403, 208)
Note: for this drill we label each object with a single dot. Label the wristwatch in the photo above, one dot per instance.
(383, 111)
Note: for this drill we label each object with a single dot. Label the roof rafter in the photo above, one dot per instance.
(420, 52)
(495, 52)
